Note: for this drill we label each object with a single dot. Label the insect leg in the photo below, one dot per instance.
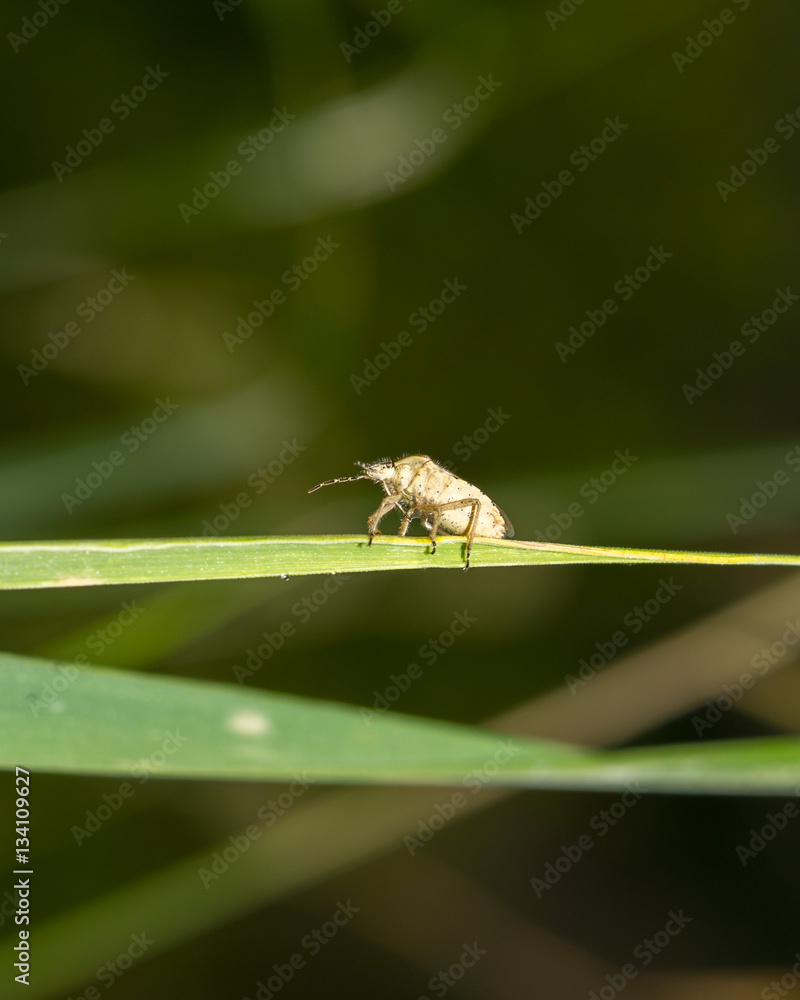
(408, 517)
(473, 520)
(387, 504)
(432, 524)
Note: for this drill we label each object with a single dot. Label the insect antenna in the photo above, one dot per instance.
(330, 482)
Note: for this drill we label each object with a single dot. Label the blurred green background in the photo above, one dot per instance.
(170, 166)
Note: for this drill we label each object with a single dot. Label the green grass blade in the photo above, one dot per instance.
(100, 721)
(157, 560)
(318, 838)
(194, 451)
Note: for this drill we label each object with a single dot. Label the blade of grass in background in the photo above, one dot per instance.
(106, 719)
(332, 158)
(194, 449)
(645, 503)
(99, 721)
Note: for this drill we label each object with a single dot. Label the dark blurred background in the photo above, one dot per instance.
(247, 244)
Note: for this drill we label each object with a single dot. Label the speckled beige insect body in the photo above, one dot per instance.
(419, 487)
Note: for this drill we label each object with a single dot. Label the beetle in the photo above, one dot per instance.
(420, 487)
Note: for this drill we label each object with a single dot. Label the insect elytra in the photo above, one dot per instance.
(419, 487)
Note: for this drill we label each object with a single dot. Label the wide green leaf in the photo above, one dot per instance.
(92, 720)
